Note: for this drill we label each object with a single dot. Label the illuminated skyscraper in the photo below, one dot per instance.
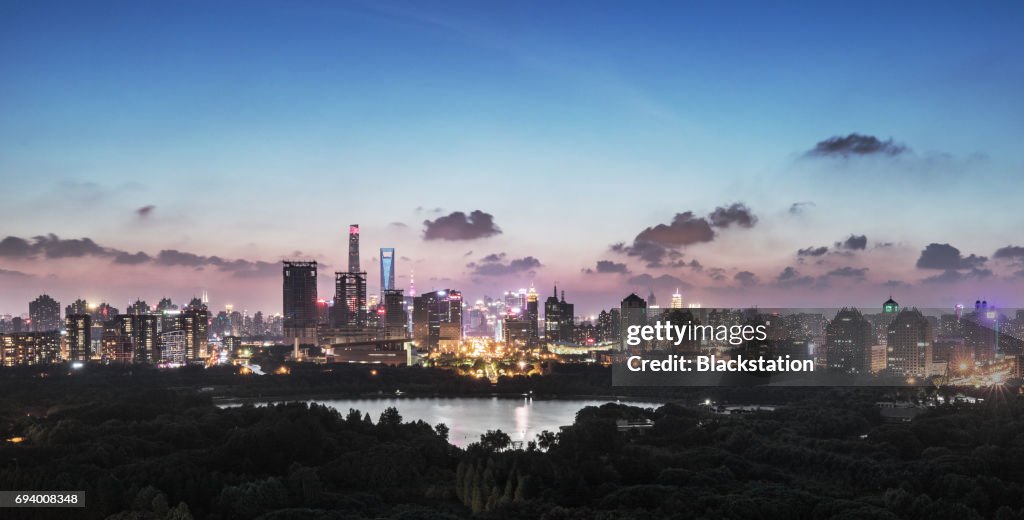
(910, 344)
(677, 300)
(350, 287)
(558, 319)
(79, 328)
(532, 316)
(394, 314)
(44, 314)
(349, 299)
(353, 248)
(299, 291)
(387, 269)
(437, 319)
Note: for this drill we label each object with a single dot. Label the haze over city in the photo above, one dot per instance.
(165, 151)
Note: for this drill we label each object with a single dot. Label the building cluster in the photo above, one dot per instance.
(905, 342)
(898, 342)
(163, 334)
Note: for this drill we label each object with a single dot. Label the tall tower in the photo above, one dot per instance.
(532, 315)
(677, 300)
(387, 270)
(353, 248)
(299, 291)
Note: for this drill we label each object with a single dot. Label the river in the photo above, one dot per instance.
(468, 417)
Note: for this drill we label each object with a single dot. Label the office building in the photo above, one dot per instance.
(299, 291)
(387, 270)
(437, 319)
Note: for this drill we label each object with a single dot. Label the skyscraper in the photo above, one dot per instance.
(558, 319)
(44, 314)
(848, 341)
(910, 344)
(532, 316)
(633, 311)
(677, 300)
(195, 321)
(387, 270)
(299, 291)
(350, 288)
(353, 248)
(349, 300)
(394, 314)
(79, 328)
(437, 319)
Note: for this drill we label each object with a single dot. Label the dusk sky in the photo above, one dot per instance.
(748, 153)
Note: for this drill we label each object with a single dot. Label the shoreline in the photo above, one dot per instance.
(227, 400)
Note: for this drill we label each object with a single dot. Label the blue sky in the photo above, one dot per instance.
(258, 130)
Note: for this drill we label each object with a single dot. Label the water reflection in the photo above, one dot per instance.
(469, 417)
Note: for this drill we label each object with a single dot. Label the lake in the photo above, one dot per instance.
(469, 417)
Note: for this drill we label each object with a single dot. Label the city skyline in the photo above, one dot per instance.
(745, 160)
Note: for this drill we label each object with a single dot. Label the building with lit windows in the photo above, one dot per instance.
(44, 314)
(437, 318)
(78, 328)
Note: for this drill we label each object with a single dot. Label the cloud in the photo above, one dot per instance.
(459, 226)
(132, 259)
(745, 278)
(947, 257)
(853, 243)
(737, 213)
(14, 247)
(798, 208)
(953, 276)
(790, 277)
(856, 145)
(716, 273)
(494, 265)
(1004, 253)
(657, 243)
(896, 284)
(173, 257)
(398, 225)
(685, 229)
(650, 252)
(10, 273)
(54, 247)
(663, 282)
(855, 273)
(607, 266)
(250, 269)
(812, 251)
(145, 211)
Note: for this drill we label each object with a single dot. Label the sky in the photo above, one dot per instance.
(781, 154)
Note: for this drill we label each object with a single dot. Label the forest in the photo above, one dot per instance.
(143, 448)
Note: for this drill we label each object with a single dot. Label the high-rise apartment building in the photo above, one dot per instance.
(44, 314)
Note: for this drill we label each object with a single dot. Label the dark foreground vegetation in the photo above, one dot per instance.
(148, 446)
